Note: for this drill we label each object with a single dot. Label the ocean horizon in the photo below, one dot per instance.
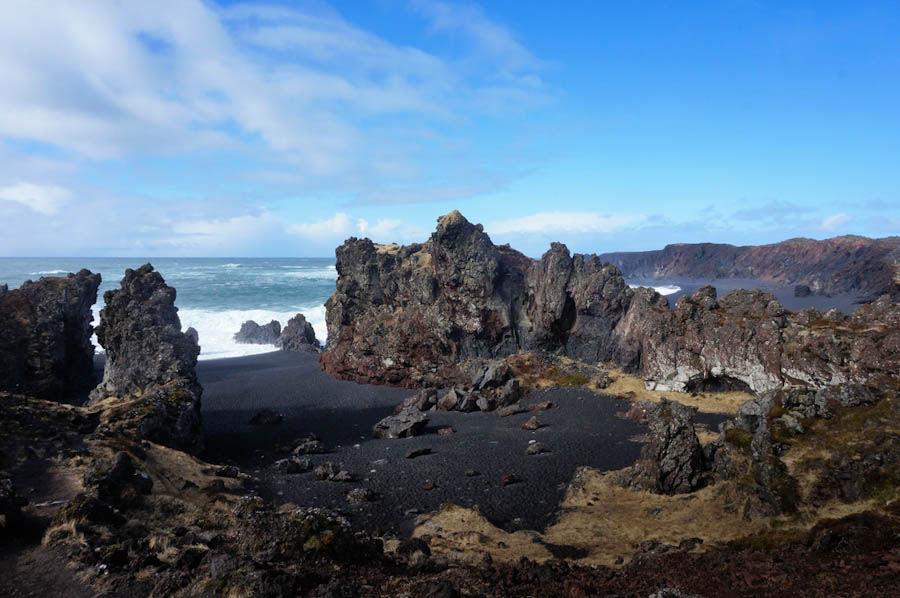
(214, 295)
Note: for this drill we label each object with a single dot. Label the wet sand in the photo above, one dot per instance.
(582, 430)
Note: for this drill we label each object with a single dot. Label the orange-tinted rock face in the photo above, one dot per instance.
(854, 265)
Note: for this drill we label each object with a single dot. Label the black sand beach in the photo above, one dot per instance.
(582, 430)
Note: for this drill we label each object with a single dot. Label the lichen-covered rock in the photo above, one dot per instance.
(672, 461)
(150, 359)
(298, 336)
(115, 480)
(252, 333)
(45, 336)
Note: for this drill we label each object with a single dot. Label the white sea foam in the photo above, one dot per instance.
(666, 289)
(43, 272)
(216, 328)
(231, 266)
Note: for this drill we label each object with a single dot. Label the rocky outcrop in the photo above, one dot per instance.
(45, 336)
(431, 314)
(252, 333)
(849, 264)
(298, 336)
(149, 358)
(672, 460)
(424, 313)
(747, 341)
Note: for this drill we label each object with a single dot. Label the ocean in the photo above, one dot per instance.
(214, 295)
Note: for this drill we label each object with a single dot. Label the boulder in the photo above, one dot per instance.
(115, 480)
(45, 336)
(298, 336)
(672, 460)
(150, 360)
(252, 333)
(410, 422)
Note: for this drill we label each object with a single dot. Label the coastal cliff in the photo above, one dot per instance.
(850, 264)
(424, 313)
(45, 335)
(430, 313)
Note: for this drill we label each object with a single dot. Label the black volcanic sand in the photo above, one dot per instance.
(582, 430)
(785, 294)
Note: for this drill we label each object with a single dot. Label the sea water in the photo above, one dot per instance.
(214, 295)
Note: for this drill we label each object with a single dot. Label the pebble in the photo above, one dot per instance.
(531, 424)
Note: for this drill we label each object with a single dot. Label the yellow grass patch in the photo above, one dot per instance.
(629, 386)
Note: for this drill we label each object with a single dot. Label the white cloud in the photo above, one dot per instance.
(44, 199)
(133, 77)
(566, 222)
(835, 221)
(339, 225)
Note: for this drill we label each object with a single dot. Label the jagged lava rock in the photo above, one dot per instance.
(432, 314)
(298, 336)
(419, 314)
(45, 335)
(150, 358)
(409, 422)
(252, 333)
(672, 461)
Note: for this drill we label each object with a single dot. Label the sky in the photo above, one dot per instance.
(201, 128)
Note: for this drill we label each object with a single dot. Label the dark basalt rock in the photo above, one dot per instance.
(298, 336)
(150, 360)
(409, 422)
(252, 333)
(45, 336)
(672, 461)
(432, 314)
(115, 480)
(420, 314)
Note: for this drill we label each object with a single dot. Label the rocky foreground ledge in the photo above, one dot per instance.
(431, 314)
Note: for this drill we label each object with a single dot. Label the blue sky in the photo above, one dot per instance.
(193, 128)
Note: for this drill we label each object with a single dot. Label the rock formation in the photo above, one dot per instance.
(746, 340)
(417, 314)
(298, 336)
(45, 336)
(848, 264)
(252, 333)
(149, 358)
(431, 314)
(672, 461)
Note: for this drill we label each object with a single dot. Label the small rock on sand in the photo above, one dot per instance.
(358, 496)
(417, 453)
(310, 445)
(292, 465)
(470, 473)
(542, 406)
(429, 485)
(324, 471)
(535, 449)
(446, 431)
(409, 422)
(266, 417)
(531, 424)
(510, 410)
(508, 479)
